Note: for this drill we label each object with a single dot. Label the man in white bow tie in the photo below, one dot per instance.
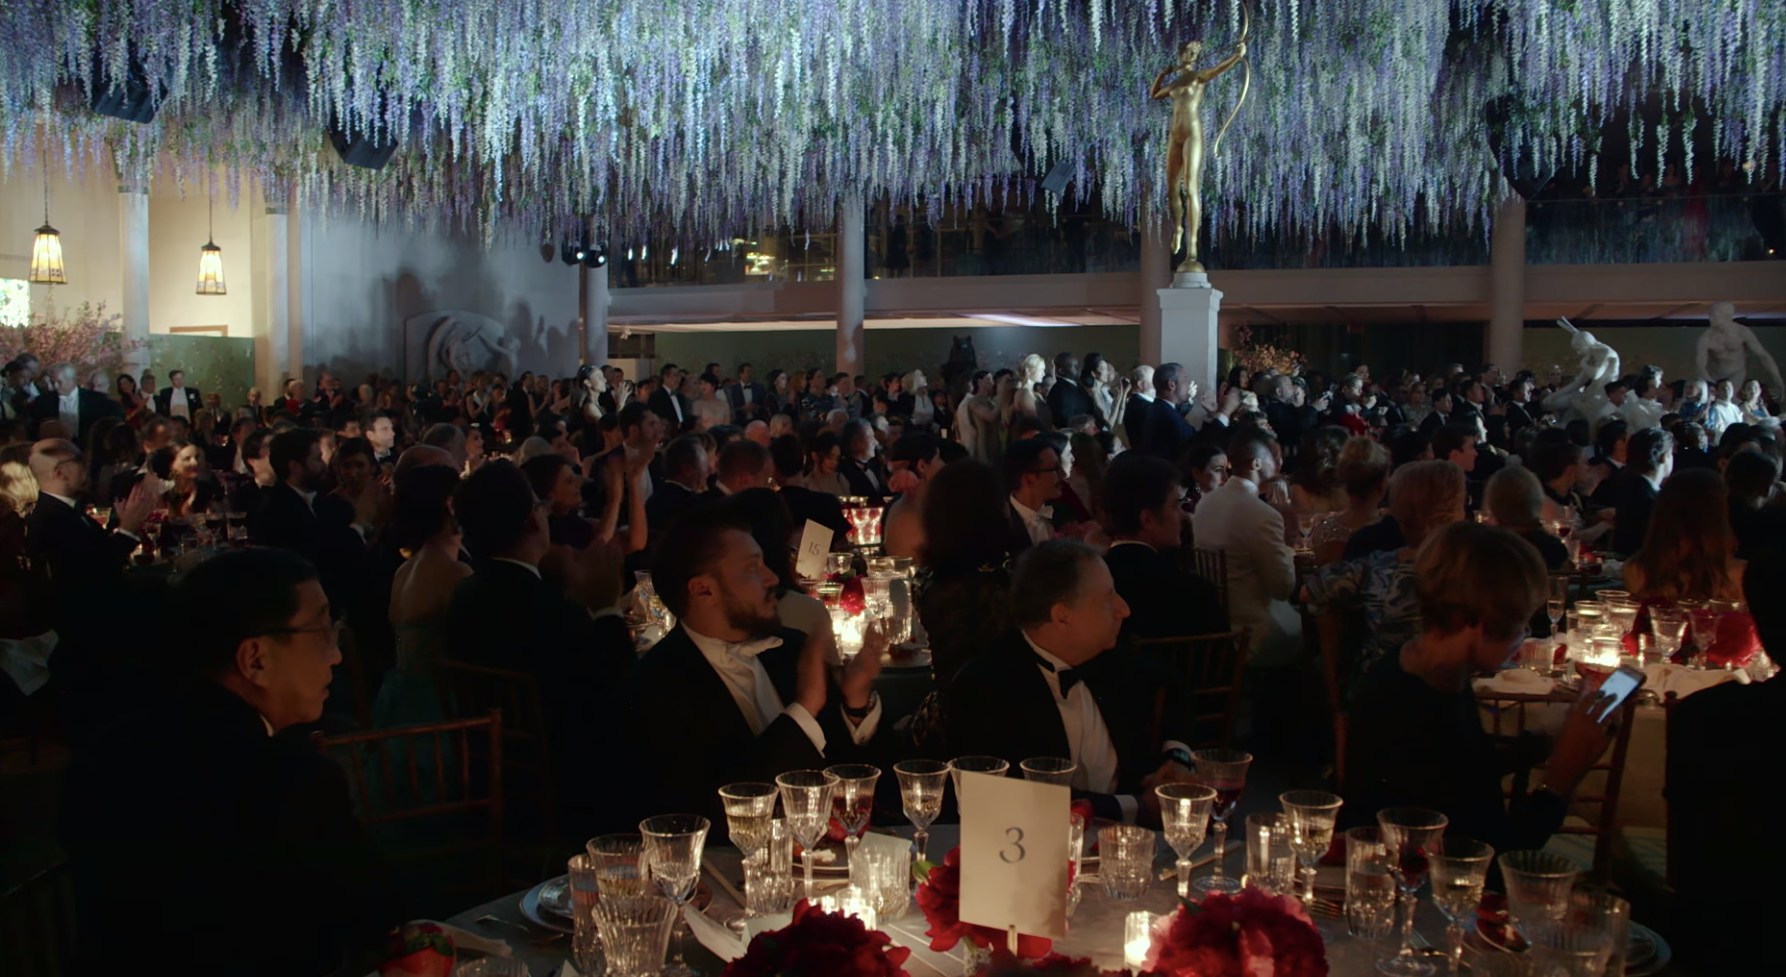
(730, 695)
(1033, 472)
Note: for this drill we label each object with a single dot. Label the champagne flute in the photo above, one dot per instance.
(1184, 814)
(1225, 772)
(806, 801)
(852, 803)
(921, 786)
(673, 845)
(1312, 817)
(1410, 834)
(1459, 868)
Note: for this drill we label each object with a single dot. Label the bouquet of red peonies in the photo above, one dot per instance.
(1052, 965)
(1247, 934)
(939, 895)
(820, 944)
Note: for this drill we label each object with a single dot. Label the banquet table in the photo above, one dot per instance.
(1095, 929)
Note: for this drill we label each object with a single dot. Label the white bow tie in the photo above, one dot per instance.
(751, 649)
(1045, 512)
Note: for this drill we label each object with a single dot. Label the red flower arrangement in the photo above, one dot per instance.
(1052, 965)
(821, 944)
(852, 599)
(939, 896)
(1248, 934)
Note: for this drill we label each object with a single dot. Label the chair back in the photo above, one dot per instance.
(1202, 689)
(431, 794)
(1212, 565)
(1339, 630)
(37, 925)
(468, 690)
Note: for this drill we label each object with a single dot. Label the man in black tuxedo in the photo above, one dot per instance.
(860, 468)
(1033, 474)
(1067, 399)
(729, 695)
(75, 406)
(686, 468)
(289, 518)
(667, 403)
(803, 503)
(1140, 501)
(1141, 398)
(1165, 432)
(197, 792)
(177, 399)
(747, 396)
(507, 615)
(1044, 691)
(1649, 460)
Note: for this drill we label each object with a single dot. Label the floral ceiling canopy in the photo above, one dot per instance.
(698, 119)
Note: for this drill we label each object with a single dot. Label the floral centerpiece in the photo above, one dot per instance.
(821, 944)
(1004, 964)
(1247, 934)
(939, 895)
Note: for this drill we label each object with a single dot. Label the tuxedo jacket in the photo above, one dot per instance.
(1134, 419)
(323, 535)
(743, 412)
(1000, 705)
(661, 406)
(195, 794)
(1164, 601)
(164, 402)
(857, 473)
(668, 500)
(93, 406)
(820, 507)
(1067, 400)
(1164, 432)
(85, 568)
(681, 736)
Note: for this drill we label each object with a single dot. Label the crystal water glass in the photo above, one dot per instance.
(1125, 853)
(885, 877)
(673, 847)
(1049, 770)
(1313, 814)
(921, 786)
(1224, 771)
(877, 595)
(1409, 835)
(618, 861)
(852, 802)
(750, 808)
(1270, 859)
(586, 944)
(1370, 886)
(1670, 628)
(1593, 937)
(1458, 870)
(975, 764)
(769, 874)
(806, 803)
(1538, 885)
(1075, 855)
(1184, 814)
(635, 934)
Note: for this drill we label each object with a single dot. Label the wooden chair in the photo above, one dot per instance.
(458, 802)
(1205, 673)
(1212, 565)
(1603, 824)
(473, 690)
(37, 925)
(1338, 630)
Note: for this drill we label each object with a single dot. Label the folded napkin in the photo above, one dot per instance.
(1521, 681)
(27, 660)
(1683, 681)
(723, 943)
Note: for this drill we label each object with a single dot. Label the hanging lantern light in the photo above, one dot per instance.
(210, 260)
(46, 250)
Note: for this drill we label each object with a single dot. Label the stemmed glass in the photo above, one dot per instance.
(852, 803)
(1410, 834)
(750, 815)
(1184, 814)
(975, 764)
(1558, 600)
(1305, 524)
(1459, 868)
(1049, 770)
(921, 786)
(1538, 886)
(1670, 627)
(1312, 816)
(619, 870)
(1225, 772)
(806, 802)
(673, 844)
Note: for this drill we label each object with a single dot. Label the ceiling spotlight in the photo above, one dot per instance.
(595, 256)
(570, 253)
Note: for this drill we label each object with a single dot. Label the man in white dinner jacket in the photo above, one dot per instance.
(1261, 567)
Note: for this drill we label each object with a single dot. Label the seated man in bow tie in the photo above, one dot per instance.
(730, 695)
(1039, 692)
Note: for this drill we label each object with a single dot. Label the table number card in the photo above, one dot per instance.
(815, 544)
(1014, 854)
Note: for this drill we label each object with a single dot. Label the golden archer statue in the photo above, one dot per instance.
(1184, 157)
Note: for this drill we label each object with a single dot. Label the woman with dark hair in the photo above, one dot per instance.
(781, 398)
(357, 497)
(136, 405)
(963, 588)
(178, 467)
(1315, 486)
(423, 530)
(1689, 552)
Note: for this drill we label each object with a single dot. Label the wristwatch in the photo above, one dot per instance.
(874, 699)
(1181, 755)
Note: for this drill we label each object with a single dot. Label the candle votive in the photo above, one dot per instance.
(1137, 936)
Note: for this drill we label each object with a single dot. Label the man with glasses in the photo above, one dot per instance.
(1033, 473)
(197, 792)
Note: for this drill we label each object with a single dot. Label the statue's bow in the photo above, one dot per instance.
(1246, 79)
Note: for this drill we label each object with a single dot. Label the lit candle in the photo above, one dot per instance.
(1137, 937)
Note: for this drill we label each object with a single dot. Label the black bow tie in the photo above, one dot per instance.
(1068, 677)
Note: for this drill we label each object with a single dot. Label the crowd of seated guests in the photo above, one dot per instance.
(502, 524)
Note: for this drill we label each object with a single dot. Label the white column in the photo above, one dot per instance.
(852, 290)
(1156, 273)
(595, 316)
(133, 249)
(1507, 270)
(279, 367)
(294, 291)
(1189, 328)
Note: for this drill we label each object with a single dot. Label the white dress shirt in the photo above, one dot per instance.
(1088, 736)
(68, 407)
(1720, 415)
(751, 688)
(1035, 521)
(176, 403)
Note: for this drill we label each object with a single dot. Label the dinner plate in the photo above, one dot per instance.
(533, 912)
(549, 903)
(1647, 953)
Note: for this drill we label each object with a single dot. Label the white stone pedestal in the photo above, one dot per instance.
(1189, 332)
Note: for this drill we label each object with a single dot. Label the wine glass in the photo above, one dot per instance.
(921, 785)
(806, 802)
(1184, 815)
(673, 844)
(750, 814)
(852, 803)
(1410, 834)
(1049, 770)
(1225, 772)
(1459, 868)
(1670, 627)
(975, 764)
(1305, 524)
(1312, 816)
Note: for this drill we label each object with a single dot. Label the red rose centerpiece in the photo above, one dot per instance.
(1247, 934)
(939, 896)
(821, 944)
(1052, 965)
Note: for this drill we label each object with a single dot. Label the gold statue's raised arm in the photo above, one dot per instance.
(1184, 154)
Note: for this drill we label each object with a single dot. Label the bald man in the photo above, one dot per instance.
(758, 432)
(449, 438)
(426, 454)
